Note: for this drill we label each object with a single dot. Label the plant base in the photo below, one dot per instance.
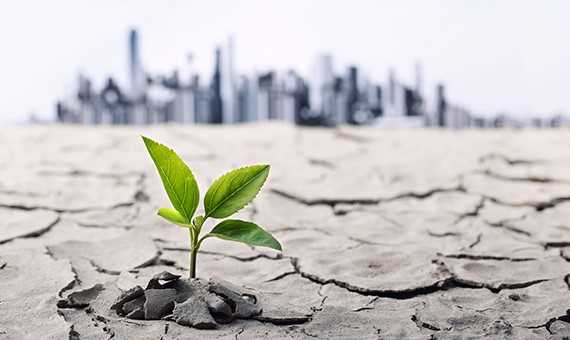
(199, 303)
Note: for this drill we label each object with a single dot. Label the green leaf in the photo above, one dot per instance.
(245, 232)
(177, 178)
(234, 190)
(173, 216)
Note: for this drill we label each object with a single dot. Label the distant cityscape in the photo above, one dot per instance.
(325, 98)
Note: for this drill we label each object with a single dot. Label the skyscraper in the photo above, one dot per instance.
(85, 95)
(216, 104)
(243, 88)
(288, 96)
(340, 99)
(412, 102)
(419, 91)
(375, 101)
(228, 84)
(352, 94)
(137, 81)
(137, 76)
(322, 85)
(252, 99)
(441, 109)
(265, 107)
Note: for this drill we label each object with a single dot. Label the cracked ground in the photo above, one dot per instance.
(420, 234)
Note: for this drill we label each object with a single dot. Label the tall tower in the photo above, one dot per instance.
(137, 79)
(252, 100)
(395, 99)
(391, 95)
(322, 84)
(441, 109)
(419, 100)
(352, 94)
(229, 95)
(216, 106)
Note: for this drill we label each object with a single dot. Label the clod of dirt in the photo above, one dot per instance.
(197, 303)
(80, 299)
(158, 302)
(125, 297)
(192, 313)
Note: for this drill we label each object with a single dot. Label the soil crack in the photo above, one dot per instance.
(332, 202)
(35, 233)
(486, 257)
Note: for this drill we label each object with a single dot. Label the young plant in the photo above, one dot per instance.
(227, 194)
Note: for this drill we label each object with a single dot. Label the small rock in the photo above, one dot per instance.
(242, 301)
(126, 296)
(168, 277)
(219, 309)
(194, 312)
(159, 302)
(186, 288)
(82, 298)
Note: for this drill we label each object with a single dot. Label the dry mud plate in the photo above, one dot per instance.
(418, 234)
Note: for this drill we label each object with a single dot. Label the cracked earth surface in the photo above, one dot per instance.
(418, 234)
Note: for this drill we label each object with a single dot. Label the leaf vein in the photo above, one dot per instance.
(235, 192)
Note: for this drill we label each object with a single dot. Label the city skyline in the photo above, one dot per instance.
(328, 95)
(490, 67)
(326, 98)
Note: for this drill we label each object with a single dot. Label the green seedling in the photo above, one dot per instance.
(227, 195)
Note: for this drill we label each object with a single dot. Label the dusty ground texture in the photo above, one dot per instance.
(418, 234)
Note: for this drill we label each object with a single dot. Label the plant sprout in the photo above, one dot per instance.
(227, 195)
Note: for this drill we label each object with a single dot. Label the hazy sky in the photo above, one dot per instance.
(493, 55)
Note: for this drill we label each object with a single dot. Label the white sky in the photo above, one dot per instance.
(494, 55)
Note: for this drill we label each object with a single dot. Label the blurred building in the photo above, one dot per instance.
(326, 98)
